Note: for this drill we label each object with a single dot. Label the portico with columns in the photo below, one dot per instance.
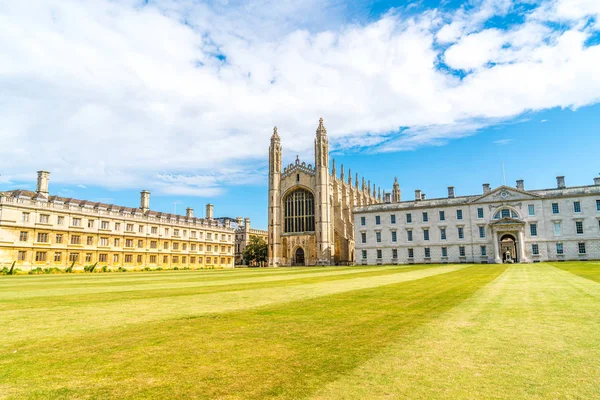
(509, 229)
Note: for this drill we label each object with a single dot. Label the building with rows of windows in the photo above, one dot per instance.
(243, 234)
(40, 230)
(506, 224)
(310, 207)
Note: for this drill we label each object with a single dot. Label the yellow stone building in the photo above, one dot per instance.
(41, 230)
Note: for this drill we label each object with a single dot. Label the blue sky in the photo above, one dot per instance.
(180, 96)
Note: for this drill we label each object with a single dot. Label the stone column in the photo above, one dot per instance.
(497, 258)
(522, 247)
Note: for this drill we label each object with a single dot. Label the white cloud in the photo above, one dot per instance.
(475, 50)
(503, 142)
(567, 10)
(121, 94)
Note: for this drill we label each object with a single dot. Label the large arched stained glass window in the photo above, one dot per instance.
(299, 212)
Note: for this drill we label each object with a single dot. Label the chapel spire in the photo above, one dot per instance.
(324, 234)
(275, 136)
(396, 191)
(274, 243)
(321, 131)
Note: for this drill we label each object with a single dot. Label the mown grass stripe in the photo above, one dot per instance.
(52, 290)
(105, 298)
(32, 282)
(588, 270)
(23, 325)
(284, 350)
(532, 333)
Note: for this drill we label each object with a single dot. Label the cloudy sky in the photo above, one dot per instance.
(180, 96)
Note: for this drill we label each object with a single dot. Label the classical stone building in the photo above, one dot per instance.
(310, 208)
(41, 230)
(243, 233)
(507, 224)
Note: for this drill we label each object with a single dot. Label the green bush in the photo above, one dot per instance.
(36, 271)
(12, 271)
(176, 269)
(121, 269)
(9, 271)
(69, 270)
(89, 268)
(159, 269)
(105, 268)
(147, 269)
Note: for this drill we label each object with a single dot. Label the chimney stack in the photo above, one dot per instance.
(387, 197)
(521, 184)
(42, 182)
(450, 192)
(597, 181)
(145, 200)
(560, 182)
(189, 212)
(423, 196)
(247, 224)
(417, 195)
(486, 188)
(209, 211)
(239, 221)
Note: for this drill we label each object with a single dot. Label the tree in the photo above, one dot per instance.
(255, 252)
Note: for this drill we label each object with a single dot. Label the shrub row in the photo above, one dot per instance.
(88, 268)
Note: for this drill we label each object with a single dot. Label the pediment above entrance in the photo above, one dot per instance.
(507, 223)
(505, 194)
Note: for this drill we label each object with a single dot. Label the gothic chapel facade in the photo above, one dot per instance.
(310, 208)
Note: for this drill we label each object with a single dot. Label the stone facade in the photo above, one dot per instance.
(41, 230)
(243, 233)
(502, 225)
(310, 208)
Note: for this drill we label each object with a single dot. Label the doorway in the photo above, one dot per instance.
(299, 257)
(508, 249)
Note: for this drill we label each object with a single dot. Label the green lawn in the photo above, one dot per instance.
(440, 331)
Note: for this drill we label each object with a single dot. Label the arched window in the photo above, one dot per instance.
(299, 212)
(506, 213)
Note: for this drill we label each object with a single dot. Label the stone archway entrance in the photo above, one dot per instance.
(509, 240)
(508, 249)
(299, 256)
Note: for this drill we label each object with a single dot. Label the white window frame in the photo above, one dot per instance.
(533, 231)
(577, 225)
(556, 232)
